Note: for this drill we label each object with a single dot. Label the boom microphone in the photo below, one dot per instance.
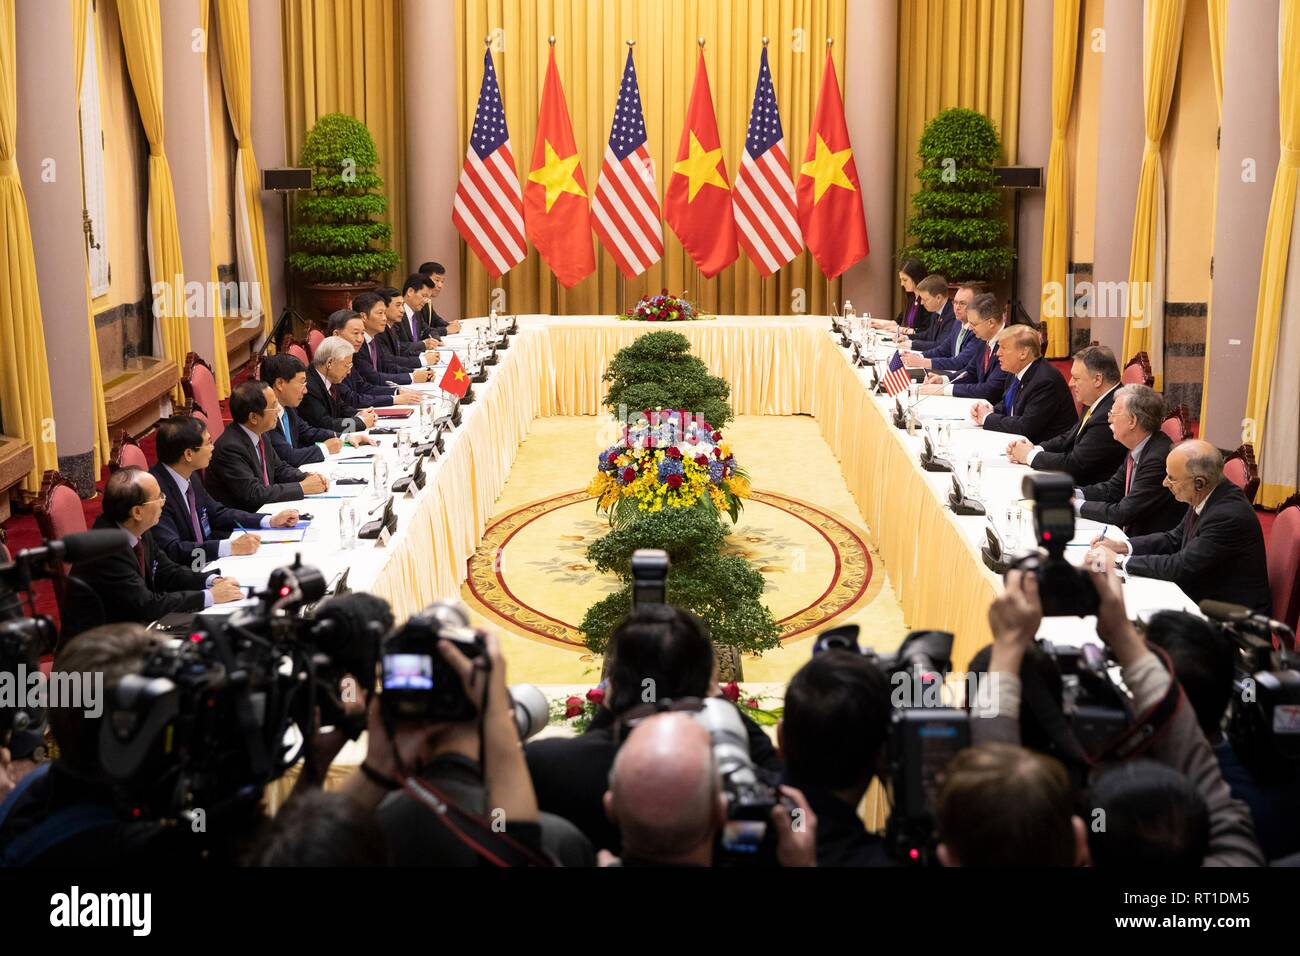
(1244, 617)
(85, 546)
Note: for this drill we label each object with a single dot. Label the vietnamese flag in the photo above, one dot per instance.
(830, 199)
(557, 218)
(455, 380)
(697, 204)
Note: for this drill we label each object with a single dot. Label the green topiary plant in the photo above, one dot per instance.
(336, 240)
(725, 591)
(957, 228)
(659, 371)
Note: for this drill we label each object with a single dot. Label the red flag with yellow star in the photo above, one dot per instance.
(557, 218)
(455, 380)
(697, 204)
(830, 198)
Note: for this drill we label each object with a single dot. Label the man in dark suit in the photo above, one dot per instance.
(294, 440)
(952, 349)
(321, 406)
(394, 349)
(366, 385)
(139, 583)
(1217, 552)
(1087, 452)
(411, 331)
(933, 292)
(1135, 498)
(374, 319)
(1037, 402)
(434, 324)
(246, 472)
(982, 376)
(195, 528)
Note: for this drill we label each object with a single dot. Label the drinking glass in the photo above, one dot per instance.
(347, 525)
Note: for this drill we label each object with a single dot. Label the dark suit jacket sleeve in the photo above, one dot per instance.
(282, 473)
(225, 519)
(172, 539)
(1216, 535)
(1042, 407)
(122, 588)
(1156, 553)
(1106, 501)
(170, 576)
(308, 432)
(303, 455)
(990, 389)
(315, 411)
(245, 485)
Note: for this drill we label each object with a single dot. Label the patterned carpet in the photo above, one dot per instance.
(532, 582)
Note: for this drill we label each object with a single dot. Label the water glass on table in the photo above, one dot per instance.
(347, 525)
(974, 476)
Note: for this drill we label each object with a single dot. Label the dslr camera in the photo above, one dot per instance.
(1063, 589)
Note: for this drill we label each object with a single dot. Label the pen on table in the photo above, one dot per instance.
(1104, 530)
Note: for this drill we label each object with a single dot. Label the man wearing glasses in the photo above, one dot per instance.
(434, 324)
(1217, 552)
(138, 583)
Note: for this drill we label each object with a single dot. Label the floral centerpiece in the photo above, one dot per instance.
(668, 459)
(578, 712)
(662, 308)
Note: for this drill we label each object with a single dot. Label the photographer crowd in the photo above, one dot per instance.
(1156, 765)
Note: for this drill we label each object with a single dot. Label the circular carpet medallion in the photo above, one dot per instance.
(531, 574)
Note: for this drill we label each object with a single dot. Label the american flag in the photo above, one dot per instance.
(897, 381)
(764, 197)
(489, 210)
(625, 205)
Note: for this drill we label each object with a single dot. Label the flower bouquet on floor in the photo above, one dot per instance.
(662, 308)
(668, 459)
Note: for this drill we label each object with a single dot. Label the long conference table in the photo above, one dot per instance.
(776, 366)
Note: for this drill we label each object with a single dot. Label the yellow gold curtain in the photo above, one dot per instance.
(1273, 398)
(345, 56)
(142, 40)
(1144, 324)
(237, 81)
(590, 51)
(1056, 200)
(1218, 10)
(102, 449)
(220, 357)
(24, 374)
(953, 53)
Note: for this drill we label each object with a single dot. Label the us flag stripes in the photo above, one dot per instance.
(625, 205)
(488, 210)
(767, 212)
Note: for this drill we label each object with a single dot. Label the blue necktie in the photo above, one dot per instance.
(1010, 402)
(284, 422)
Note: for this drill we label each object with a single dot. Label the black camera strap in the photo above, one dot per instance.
(495, 848)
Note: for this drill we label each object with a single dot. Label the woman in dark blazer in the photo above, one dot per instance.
(913, 319)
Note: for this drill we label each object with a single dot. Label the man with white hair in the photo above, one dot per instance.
(665, 796)
(321, 406)
(1217, 552)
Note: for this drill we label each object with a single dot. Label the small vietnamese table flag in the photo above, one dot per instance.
(830, 198)
(697, 204)
(556, 215)
(455, 380)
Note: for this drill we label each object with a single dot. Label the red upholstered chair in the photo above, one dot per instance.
(4, 547)
(1177, 425)
(59, 514)
(1138, 371)
(300, 353)
(1239, 467)
(126, 453)
(1284, 563)
(200, 387)
(314, 338)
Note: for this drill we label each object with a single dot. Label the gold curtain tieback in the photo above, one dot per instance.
(1152, 146)
(8, 166)
(1290, 156)
(155, 151)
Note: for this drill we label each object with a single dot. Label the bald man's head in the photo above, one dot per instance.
(1193, 470)
(664, 793)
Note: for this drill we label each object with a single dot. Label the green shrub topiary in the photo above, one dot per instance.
(957, 228)
(659, 371)
(336, 239)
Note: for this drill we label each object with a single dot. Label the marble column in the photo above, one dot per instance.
(1121, 138)
(433, 160)
(49, 161)
(870, 94)
(1248, 157)
(1035, 144)
(266, 54)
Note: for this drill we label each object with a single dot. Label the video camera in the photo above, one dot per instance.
(418, 684)
(24, 638)
(1063, 589)
(1264, 715)
(215, 716)
(925, 733)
